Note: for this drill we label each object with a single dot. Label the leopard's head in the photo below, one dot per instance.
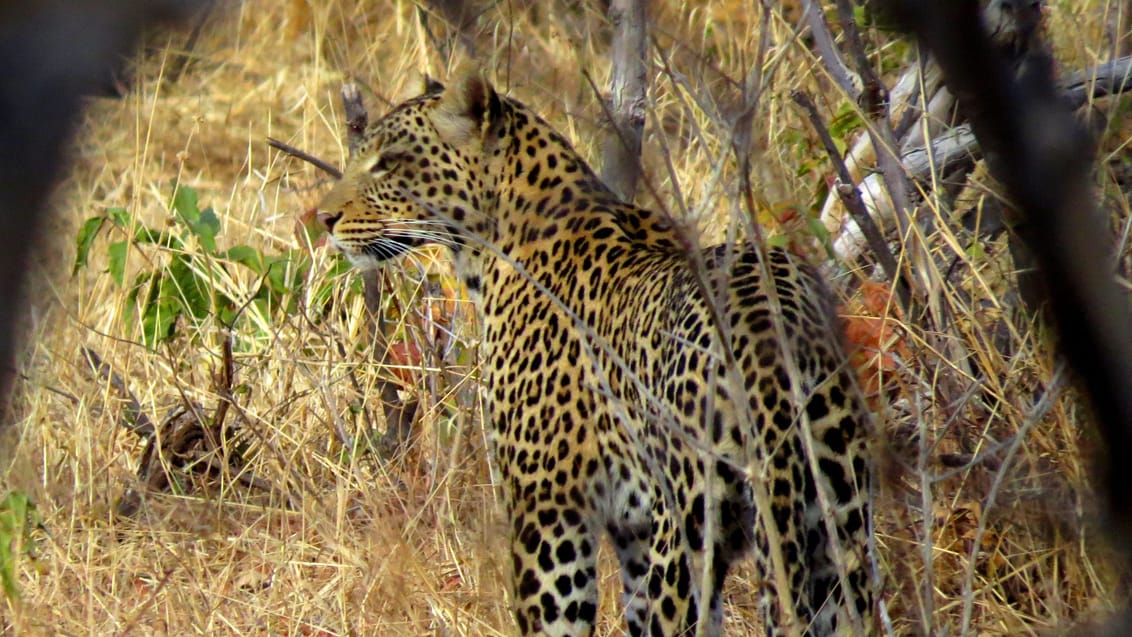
(417, 177)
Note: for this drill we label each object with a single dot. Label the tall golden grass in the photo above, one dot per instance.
(333, 540)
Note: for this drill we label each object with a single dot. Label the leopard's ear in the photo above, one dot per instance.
(431, 86)
(468, 112)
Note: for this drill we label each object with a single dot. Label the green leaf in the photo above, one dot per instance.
(117, 254)
(817, 228)
(119, 216)
(142, 233)
(84, 240)
(140, 285)
(283, 271)
(187, 286)
(154, 299)
(203, 224)
(159, 318)
(145, 235)
(845, 122)
(206, 227)
(210, 221)
(18, 518)
(245, 255)
(185, 202)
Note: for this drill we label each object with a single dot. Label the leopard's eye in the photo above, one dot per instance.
(387, 160)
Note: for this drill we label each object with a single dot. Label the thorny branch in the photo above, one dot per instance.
(187, 439)
(874, 101)
(831, 58)
(399, 414)
(864, 86)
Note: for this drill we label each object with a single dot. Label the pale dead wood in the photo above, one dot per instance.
(628, 84)
(958, 144)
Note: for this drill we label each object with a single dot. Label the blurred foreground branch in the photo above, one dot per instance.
(52, 53)
(1043, 157)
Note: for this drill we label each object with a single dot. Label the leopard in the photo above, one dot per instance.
(688, 405)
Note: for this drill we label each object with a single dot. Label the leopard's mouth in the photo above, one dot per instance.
(374, 253)
(383, 249)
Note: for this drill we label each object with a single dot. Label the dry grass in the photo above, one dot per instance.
(343, 543)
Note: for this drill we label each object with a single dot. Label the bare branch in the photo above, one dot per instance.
(827, 50)
(874, 101)
(867, 90)
(848, 192)
(399, 414)
(742, 129)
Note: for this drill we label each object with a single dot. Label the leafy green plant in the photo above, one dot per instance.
(183, 287)
(18, 521)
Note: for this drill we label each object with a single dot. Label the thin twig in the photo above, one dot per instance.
(399, 414)
(137, 420)
(227, 381)
(874, 101)
(325, 166)
(1037, 414)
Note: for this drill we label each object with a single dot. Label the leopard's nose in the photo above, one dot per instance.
(328, 219)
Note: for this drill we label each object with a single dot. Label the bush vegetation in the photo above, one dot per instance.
(293, 516)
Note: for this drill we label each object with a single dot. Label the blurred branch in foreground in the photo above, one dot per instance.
(52, 53)
(1043, 156)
